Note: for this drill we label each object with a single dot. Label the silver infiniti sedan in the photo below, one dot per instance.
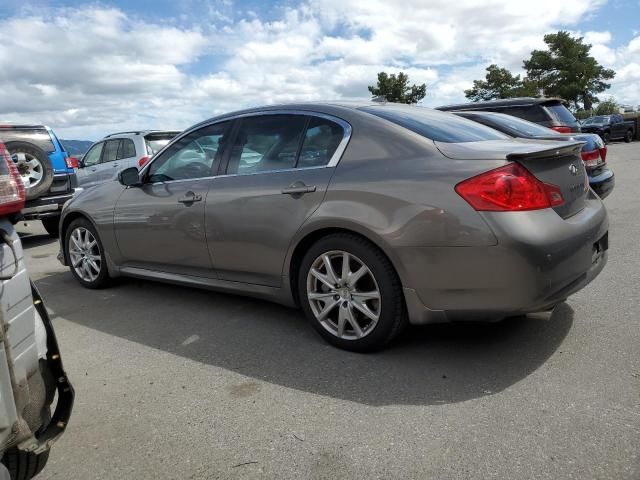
(367, 216)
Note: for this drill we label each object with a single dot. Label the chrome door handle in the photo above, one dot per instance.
(298, 189)
(190, 198)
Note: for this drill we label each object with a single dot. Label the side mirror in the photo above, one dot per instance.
(80, 163)
(129, 177)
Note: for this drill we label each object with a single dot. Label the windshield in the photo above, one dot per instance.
(156, 141)
(435, 125)
(560, 113)
(519, 127)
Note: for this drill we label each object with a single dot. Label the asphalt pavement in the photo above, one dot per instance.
(178, 383)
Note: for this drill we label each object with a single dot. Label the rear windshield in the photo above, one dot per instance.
(435, 125)
(521, 127)
(155, 141)
(560, 113)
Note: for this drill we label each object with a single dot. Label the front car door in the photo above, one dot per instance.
(160, 225)
(88, 174)
(276, 176)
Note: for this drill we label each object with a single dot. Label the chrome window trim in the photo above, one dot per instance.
(333, 162)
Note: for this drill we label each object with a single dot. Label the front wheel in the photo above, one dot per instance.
(628, 136)
(606, 138)
(85, 254)
(351, 293)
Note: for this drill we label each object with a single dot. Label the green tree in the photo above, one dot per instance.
(607, 107)
(567, 70)
(395, 88)
(501, 83)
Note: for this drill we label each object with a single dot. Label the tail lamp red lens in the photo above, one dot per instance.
(509, 188)
(562, 129)
(590, 159)
(11, 185)
(143, 161)
(72, 162)
(603, 154)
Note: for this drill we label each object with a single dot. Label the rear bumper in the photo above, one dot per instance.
(539, 261)
(45, 206)
(603, 182)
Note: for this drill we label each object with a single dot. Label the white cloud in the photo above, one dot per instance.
(122, 72)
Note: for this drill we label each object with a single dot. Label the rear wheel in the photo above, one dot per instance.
(350, 293)
(85, 255)
(51, 224)
(34, 167)
(628, 136)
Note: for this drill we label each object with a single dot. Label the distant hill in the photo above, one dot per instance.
(76, 147)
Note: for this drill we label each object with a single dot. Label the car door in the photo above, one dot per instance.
(109, 165)
(87, 172)
(277, 173)
(617, 126)
(160, 225)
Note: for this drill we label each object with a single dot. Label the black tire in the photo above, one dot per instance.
(102, 279)
(24, 465)
(51, 225)
(392, 318)
(606, 138)
(42, 187)
(628, 136)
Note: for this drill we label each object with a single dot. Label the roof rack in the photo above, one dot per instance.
(134, 132)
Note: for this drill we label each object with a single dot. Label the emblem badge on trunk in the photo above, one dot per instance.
(573, 169)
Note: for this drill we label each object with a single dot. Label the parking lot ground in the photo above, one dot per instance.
(177, 383)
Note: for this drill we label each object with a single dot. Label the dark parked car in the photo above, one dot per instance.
(610, 127)
(46, 169)
(548, 112)
(365, 215)
(594, 152)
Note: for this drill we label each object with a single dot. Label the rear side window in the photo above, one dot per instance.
(265, 143)
(560, 113)
(436, 125)
(320, 142)
(110, 151)
(127, 149)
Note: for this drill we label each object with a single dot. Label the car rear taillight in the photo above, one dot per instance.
(591, 159)
(509, 188)
(11, 185)
(143, 161)
(72, 162)
(562, 129)
(603, 153)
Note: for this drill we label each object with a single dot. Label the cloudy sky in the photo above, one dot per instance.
(88, 69)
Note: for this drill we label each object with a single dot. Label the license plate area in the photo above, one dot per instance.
(599, 248)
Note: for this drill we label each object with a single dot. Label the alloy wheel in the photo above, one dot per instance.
(84, 254)
(30, 168)
(343, 295)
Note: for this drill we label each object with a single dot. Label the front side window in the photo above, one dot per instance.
(92, 157)
(321, 140)
(110, 151)
(195, 155)
(266, 143)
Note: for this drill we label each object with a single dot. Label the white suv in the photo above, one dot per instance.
(118, 151)
(31, 372)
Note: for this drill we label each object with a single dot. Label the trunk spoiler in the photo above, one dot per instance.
(511, 150)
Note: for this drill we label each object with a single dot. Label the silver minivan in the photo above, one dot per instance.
(118, 151)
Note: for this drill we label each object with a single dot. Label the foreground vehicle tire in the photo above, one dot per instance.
(85, 255)
(351, 293)
(628, 136)
(24, 465)
(34, 167)
(51, 225)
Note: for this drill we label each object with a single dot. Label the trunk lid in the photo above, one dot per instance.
(557, 163)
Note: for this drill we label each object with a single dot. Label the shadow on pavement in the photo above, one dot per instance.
(428, 365)
(30, 240)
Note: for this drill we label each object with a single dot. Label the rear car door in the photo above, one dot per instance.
(109, 165)
(160, 225)
(277, 172)
(88, 174)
